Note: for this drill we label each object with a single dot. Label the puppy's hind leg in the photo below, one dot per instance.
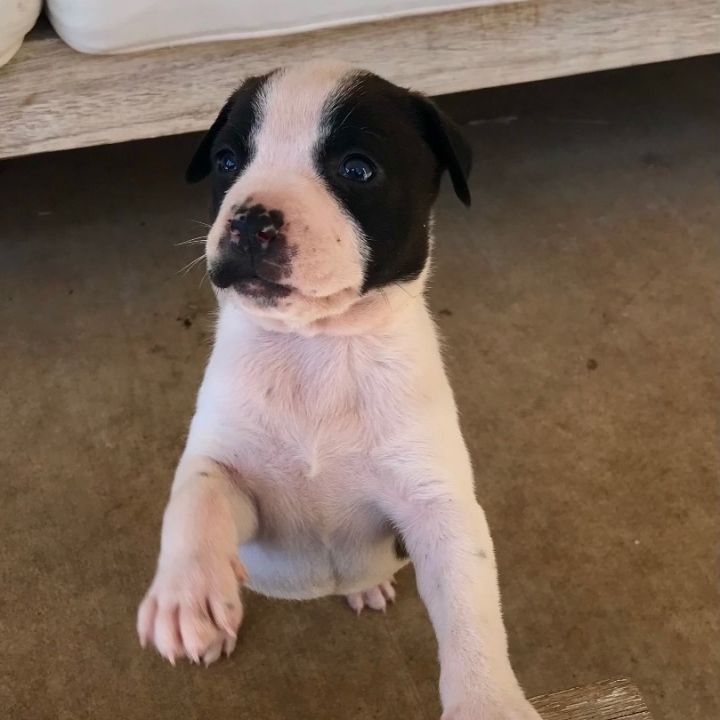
(375, 598)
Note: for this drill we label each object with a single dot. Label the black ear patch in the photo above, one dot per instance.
(445, 139)
(201, 163)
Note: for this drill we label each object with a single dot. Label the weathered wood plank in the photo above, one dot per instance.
(609, 700)
(54, 98)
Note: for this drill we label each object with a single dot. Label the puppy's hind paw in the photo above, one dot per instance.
(376, 598)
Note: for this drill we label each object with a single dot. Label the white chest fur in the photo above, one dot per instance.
(309, 427)
(309, 453)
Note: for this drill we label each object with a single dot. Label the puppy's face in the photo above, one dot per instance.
(323, 183)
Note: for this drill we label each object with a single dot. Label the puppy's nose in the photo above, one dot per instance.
(254, 229)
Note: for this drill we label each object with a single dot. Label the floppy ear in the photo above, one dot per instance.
(201, 165)
(445, 139)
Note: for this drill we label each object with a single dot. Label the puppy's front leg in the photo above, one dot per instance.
(193, 607)
(448, 539)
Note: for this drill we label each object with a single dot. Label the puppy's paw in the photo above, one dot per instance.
(514, 707)
(376, 598)
(193, 608)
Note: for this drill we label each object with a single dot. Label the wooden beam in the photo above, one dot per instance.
(609, 700)
(53, 98)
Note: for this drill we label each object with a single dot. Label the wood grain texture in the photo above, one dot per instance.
(53, 98)
(609, 700)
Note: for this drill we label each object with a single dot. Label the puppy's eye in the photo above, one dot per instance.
(357, 168)
(226, 162)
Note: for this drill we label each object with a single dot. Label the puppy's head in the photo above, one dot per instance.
(323, 183)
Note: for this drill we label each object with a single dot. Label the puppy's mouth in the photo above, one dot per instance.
(246, 280)
(259, 291)
(260, 288)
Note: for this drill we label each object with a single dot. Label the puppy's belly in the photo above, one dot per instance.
(311, 567)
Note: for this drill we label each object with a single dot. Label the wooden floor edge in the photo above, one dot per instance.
(606, 700)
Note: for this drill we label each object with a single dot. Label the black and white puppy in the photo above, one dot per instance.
(326, 438)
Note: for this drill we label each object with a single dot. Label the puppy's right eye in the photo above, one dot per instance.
(226, 162)
(357, 168)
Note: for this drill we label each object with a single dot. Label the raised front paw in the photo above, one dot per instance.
(512, 707)
(193, 608)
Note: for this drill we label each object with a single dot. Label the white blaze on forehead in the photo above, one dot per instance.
(291, 110)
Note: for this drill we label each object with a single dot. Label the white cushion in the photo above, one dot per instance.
(110, 26)
(16, 19)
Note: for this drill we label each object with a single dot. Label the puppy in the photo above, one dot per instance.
(325, 447)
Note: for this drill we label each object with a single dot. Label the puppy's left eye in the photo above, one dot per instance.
(226, 162)
(357, 168)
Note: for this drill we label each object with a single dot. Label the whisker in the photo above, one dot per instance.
(185, 270)
(368, 131)
(273, 264)
(349, 113)
(200, 222)
(403, 289)
(199, 240)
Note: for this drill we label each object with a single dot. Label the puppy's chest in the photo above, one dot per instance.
(313, 428)
(312, 470)
(316, 431)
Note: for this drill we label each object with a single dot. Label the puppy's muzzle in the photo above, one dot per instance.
(253, 251)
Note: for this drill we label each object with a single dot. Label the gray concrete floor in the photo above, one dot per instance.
(579, 301)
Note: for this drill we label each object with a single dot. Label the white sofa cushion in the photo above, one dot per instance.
(16, 19)
(113, 26)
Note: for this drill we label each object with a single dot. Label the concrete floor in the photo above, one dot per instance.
(579, 301)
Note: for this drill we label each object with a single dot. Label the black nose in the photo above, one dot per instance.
(253, 229)
(253, 246)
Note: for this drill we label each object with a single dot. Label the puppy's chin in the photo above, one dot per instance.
(287, 306)
(346, 312)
